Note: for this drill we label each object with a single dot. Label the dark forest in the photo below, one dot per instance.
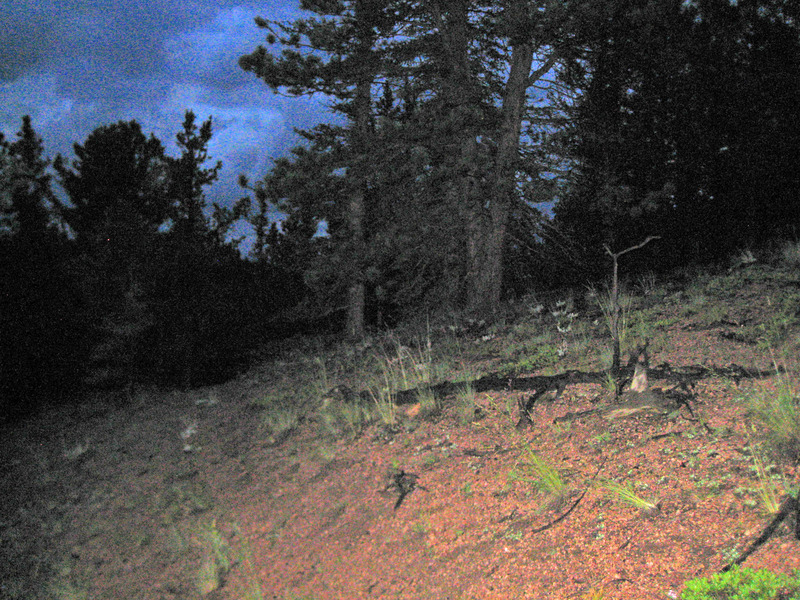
(481, 151)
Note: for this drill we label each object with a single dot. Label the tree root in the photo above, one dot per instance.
(789, 505)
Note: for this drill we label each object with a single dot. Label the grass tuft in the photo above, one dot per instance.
(768, 491)
(465, 401)
(779, 410)
(532, 468)
(627, 494)
(280, 421)
(217, 562)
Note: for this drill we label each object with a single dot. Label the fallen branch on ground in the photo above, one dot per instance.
(789, 505)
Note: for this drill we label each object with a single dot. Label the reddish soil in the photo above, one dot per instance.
(106, 502)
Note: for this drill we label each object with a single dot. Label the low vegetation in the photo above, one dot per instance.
(744, 584)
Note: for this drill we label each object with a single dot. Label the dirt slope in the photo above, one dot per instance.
(185, 496)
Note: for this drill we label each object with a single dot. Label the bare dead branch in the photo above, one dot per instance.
(649, 239)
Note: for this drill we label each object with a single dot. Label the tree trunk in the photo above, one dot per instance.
(488, 283)
(355, 291)
(355, 208)
(503, 183)
(460, 98)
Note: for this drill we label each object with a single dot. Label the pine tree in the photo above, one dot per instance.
(28, 186)
(444, 109)
(40, 333)
(347, 40)
(188, 177)
(118, 197)
(186, 293)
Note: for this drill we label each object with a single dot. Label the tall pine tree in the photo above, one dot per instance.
(343, 63)
(117, 189)
(441, 91)
(40, 344)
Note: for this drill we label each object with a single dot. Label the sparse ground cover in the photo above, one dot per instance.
(280, 483)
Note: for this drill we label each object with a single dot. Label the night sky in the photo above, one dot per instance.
(74, 65)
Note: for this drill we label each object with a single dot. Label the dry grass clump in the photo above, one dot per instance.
(779, 410)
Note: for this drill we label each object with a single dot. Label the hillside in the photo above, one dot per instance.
(283, 483)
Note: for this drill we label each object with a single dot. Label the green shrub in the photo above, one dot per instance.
(744, 584)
